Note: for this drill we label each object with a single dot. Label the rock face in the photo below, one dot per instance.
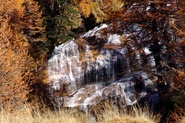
(96, 67)
(127, 90)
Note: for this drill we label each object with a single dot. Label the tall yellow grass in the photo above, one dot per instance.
(42, 116)
(110, 115)
(135, 115)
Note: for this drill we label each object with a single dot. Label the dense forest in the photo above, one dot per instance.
(30, 29)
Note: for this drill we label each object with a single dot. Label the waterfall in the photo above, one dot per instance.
(87, 70)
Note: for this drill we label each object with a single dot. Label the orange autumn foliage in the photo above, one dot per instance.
(20, 21)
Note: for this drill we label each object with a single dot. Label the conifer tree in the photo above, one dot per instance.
(61, 16)
(20, 26)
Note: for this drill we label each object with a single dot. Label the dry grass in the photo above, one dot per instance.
(135, 115)
(70, 116)
(46, 116)
(182, 120)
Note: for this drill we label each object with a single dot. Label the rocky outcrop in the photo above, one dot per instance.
(128, 90)
(95, 67)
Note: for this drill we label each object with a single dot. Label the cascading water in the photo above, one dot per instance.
(86, 71)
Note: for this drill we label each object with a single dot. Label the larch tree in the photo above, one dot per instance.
(100, 9)
(20, 26)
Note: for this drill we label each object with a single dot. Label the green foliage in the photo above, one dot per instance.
(61, 16)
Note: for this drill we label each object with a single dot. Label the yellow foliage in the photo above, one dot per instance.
(13, 87)
(98, 12)
(16, 64)
(86, 7)
(101, 9)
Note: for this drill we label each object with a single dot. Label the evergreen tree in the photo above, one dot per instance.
(61, 16)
